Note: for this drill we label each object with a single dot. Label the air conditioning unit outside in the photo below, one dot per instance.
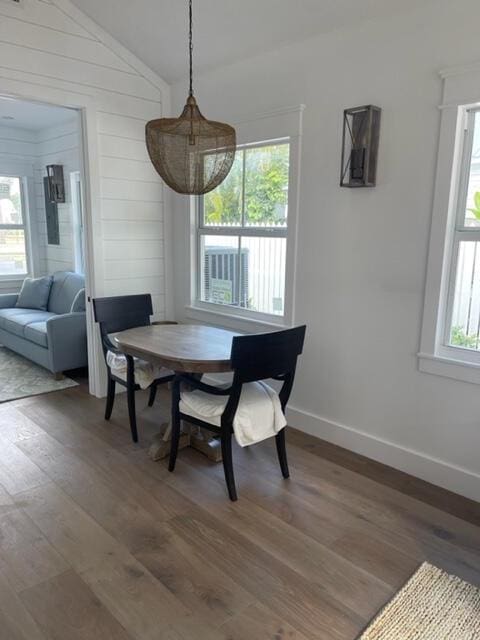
(221, 283)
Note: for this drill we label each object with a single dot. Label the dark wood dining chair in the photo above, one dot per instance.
(120, 313)
(253, 358)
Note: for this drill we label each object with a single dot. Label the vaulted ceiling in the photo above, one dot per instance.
(224, 30)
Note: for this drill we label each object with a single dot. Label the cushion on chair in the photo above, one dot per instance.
(145, 372)
(37, 333)
(34, 293)
(259, 414)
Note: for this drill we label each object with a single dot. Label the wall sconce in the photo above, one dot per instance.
(56, 184)
(361, 133)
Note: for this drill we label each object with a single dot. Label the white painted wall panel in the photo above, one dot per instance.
(51, 49)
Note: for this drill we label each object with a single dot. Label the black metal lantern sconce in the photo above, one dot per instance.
(361, 133)
(56, 183)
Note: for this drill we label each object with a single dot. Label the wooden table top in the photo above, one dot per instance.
(181, 347)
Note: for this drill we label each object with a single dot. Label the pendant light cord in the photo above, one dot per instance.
(190, 38)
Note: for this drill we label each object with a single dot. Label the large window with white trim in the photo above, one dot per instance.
(13, 241)
(242, 232)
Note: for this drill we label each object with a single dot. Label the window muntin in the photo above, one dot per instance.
(242, 232)
(13, 251)
(463, 310)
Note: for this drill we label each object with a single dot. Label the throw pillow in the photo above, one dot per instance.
(34, 293)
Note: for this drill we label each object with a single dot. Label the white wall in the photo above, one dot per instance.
(362, 253)
(57, 145)
(50, 49)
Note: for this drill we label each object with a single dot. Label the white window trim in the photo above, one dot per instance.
(460, 92)
(25, 198)
(277, 125)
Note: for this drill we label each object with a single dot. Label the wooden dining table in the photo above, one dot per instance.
(186, 349)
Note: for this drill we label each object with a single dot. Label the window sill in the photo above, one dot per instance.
(449, 367)
(231, 320)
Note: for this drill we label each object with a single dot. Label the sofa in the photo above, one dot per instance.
(54, 336)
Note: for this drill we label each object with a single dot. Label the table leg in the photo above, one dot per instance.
(200, 439)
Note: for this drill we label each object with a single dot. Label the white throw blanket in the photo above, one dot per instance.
(259, 414)
(145, 372)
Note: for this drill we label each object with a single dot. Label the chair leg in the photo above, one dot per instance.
(176, 426)
(110, 398)
(153, 393)
(282, 453)
(226, 440)
(131, 398)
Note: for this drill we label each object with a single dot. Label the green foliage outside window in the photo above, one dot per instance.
(266, 189)
(459, 338)
(476, 209)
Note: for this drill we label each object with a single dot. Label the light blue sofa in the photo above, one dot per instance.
(56, 338)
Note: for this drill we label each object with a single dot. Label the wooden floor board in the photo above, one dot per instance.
(97, 541)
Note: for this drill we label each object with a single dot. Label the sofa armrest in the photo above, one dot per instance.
(67, 341)
(8, 300)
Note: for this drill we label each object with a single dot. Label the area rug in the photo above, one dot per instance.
(20, 378)
(433, 605)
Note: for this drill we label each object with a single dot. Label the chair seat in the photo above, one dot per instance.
(145, 372)
(259, 414)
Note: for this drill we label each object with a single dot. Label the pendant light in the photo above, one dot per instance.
(192, 154)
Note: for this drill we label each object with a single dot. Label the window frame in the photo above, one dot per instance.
(284, 126)
(240, 231)
(25, 227)
(436, 355)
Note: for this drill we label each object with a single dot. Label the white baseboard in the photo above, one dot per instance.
(417, 464)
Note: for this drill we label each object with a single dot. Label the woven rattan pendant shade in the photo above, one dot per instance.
(192, 154)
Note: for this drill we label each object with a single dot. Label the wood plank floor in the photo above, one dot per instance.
(99, 543)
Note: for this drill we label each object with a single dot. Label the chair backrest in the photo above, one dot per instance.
(120, 313)
(266, 355)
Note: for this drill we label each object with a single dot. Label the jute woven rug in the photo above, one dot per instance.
(433, 605)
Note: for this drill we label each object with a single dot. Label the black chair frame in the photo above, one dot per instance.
(119, 313)
(257, 357)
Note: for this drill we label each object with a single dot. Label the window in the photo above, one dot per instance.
(13, 253)
(450, 341)
(463, 311)
(242, 228)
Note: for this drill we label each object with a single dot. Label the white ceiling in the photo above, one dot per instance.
(224, 30)
(33, 116)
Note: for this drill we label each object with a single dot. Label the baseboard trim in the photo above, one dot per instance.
(420, 465)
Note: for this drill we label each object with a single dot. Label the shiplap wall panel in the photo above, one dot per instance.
(14, 32)
(47, 65)
(43, 14)
(122, 169)
(130, 128)
(123, 210)
(131, 250)
(126, 230)
(132, 190)
(58, 145)
(41, 45)
(116, 147)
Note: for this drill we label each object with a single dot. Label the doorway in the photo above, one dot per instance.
(42, 243)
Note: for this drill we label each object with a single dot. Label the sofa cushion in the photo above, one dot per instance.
(65, 287)
(34, 293)
(78, 304)
(16, 323)
(7, 314)
(37, 333)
